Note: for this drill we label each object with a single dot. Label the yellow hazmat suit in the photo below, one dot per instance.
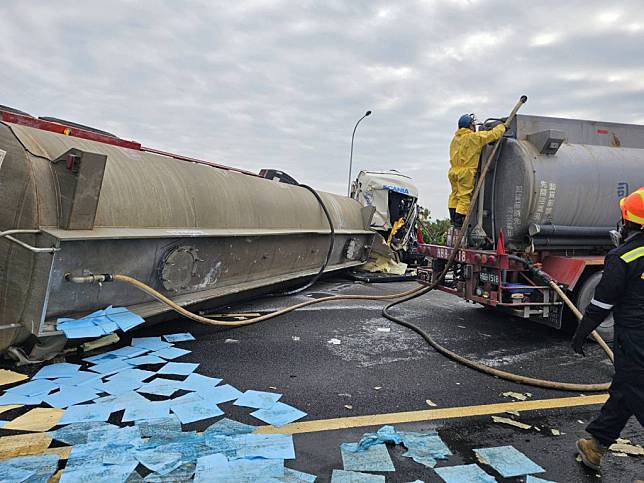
(464, 154)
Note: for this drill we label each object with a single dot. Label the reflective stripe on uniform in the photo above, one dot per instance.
(601, 305)
(633, 255)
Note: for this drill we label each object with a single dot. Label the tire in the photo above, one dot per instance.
(607, 328)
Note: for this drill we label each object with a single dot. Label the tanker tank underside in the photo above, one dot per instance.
(196, 233)
(556, 183)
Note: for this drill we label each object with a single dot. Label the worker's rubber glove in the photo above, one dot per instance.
(585, 327)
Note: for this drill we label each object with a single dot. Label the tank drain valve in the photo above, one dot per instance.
(91, 278)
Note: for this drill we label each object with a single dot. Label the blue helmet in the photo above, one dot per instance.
(465, 120)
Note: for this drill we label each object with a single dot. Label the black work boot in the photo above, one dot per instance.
(591, 452)
(452, 214)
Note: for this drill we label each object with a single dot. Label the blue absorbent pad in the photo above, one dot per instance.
(69, 396)
(257, 399)
(343, 476)
(178, 368)
(85, 413)
(279, 414)
(143, 360)
(374, 458)
(220, 394)
(464, 474)
(508, 461)
(534, 479)
(170, 353)
(228, 427)
(198, 382)
(150, 343)
(181, 337)
(294, 476)
(147, 410)
(34, 388)
(271, 446)
(53, 371)
(196, 411)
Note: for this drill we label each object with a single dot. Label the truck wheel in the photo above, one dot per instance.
(586, 293)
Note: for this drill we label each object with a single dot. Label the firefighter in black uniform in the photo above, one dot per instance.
(621, 289)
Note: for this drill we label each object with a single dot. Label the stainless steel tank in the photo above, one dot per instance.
(564, 174)
(86, 202)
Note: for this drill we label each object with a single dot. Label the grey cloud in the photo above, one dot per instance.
(280, 84)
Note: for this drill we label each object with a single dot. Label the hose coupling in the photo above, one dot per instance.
(91, 278)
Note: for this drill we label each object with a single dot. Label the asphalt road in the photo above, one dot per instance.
(292, 355)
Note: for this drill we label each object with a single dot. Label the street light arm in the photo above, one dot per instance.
(368, 113)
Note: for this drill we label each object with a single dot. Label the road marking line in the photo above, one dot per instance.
(432, 414)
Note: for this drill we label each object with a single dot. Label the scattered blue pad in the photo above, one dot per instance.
(171, 353)
(132, 375)
(163, 428)
(464, 474)
(271, 446)
(534, 479)
(125, 319)
(279, 414)
(9, 398)
(98, 473)
(226, 445)
(508, 461)
(257, 399)
(69, 396)
(110, 367)
(159, 462)
(160, 387)
(128, 351)
(109, 434)
(294, 476)
(424, 448)
(79, 328)
(216, 469)
(85, 413)
(374, 458)
(151, 343)
(80, 379)
(386, 434)
(149, 359)
(197, 382)
(76, 433)
(121, 401)
(104, 357)
(42, 467)
(186, 398)
(118, 386)
(211, 466)
(150, 410)
(38, 387)
(342, 476)
(185, 472)
(220, 394)
(196, 411)
(10, 473)
(179, 368)
(228, 427)
(53, 371)
(181, 337)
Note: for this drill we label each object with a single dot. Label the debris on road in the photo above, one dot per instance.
(384, 329)
(629, 449)
(348, 406)
(464, 474)
(374, 458)
(10, 377)
(510, 422)
(342, 476)
(555, 432)
(180, 337)
(334, 341)
(518, 396)
(295, 338)
(508, 461)
(278, 414)
(431, 403)
(231, 341)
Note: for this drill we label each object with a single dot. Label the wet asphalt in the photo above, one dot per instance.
(292, 355)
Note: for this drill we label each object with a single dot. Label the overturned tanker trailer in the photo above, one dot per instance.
(77, 201)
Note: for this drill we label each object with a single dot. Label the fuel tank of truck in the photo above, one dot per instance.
(556, 183)
(87, 202)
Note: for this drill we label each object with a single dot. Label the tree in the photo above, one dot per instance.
(434, 231)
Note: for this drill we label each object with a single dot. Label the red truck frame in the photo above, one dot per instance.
(496, 280)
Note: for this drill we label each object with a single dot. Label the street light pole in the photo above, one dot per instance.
(368, 113)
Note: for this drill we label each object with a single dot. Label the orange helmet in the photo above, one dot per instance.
(633, 207)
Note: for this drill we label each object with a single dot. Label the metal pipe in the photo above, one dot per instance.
(578, 242)
(570, 231)
(7, 234)
(91, 278)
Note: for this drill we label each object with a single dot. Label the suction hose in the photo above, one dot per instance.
(450, 261)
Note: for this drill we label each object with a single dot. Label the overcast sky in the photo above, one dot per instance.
(275, 84)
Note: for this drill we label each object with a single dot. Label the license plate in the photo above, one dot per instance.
(492, 278)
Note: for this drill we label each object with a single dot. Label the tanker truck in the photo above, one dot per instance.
(76, 202)
(550, 198)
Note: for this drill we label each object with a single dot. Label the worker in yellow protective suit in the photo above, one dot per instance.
(464, 154)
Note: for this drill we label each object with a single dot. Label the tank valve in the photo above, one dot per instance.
(91, 278)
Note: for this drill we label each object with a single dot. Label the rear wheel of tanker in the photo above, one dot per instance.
(607, 328)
